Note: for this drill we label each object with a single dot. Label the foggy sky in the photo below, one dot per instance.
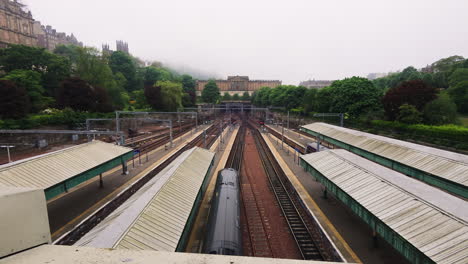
(266, 39)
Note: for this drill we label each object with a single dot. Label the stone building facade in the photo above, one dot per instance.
(238, 85)
(16, 25)
(49, 38)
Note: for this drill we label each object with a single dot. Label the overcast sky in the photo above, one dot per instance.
(289, 40)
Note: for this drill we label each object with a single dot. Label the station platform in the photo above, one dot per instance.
(293, 135)
(88, 197)
(350, 234)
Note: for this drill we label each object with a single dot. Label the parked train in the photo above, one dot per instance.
(224, 233)
(312, 147)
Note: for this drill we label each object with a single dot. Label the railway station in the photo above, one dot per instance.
(235, 187)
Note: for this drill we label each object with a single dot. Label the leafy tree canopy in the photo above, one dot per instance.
(32, 82)
(210, 93)
(171, 93)
(245, 96)
(459, 94)
(441, 111)
(14, 102)
(226, 97)
(415, 93)
(236, 97)
(120, 61)
(459, 75)
(355, 96)
(408, 114)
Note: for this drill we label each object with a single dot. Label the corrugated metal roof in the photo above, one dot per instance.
(155, 217)
(50, 169)
(433, 221)
(445, 164)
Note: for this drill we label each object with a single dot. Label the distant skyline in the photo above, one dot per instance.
(291, 41)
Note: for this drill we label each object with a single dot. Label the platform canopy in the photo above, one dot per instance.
(159, 215)
(82, 255)
(425, 224)
(61, 170)
(444, 169)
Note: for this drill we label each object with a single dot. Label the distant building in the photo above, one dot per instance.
(375, 75)
(16, 24)
(122, 46)
(49, 38)
(316, 84)
(238, 85)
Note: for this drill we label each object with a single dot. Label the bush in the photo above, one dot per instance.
(445, 132)
(408, 114)
(441, 111)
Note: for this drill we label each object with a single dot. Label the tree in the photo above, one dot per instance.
(262, 96)
(227, 97)
(447, 64)
(245, 96)
(236, 97)
(324, 100)
(139, 99)
(95, 70)
(32, 82)
(14, 102)
(459, 94)
(153, 96)
(120, 61)
(171, 95)
(276, 95)
(310, 100)
(77, 94)
(188, 83)
(356, 96)
(408, 114)
(415, 93)
(459, 75)
(440, 111)
(294, 96)
(210, 93)
(53, 68)
(153, 74)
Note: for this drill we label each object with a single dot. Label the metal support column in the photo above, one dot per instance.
(170, 132)
(124, 167)
(101, 183)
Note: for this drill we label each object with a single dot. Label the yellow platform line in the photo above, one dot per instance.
(196, 236)
(113, 194)
(329, 228)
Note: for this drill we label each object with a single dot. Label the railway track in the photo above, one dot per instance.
(71, 237)
(298, 227)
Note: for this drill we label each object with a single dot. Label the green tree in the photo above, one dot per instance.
(227, 97)
(310, 100)
(139, 99)
(32, 82)
(188, 83)
(459, 75)
(459, 94)
(120, 61)
(440, 111)
(53, 68)
(171, 95)
(153, 74)
(324, 100)
(356, 96)
(95, 70)
(210, 93)
(408, 114)
(447, 64)
(276, 96)
(236, 97)
(294, 97)
(14, 102)
(80, 95)
(262, 96)
(245, 96)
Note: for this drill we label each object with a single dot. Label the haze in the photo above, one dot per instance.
(287, 40)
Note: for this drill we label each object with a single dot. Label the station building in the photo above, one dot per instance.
(238, 85)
